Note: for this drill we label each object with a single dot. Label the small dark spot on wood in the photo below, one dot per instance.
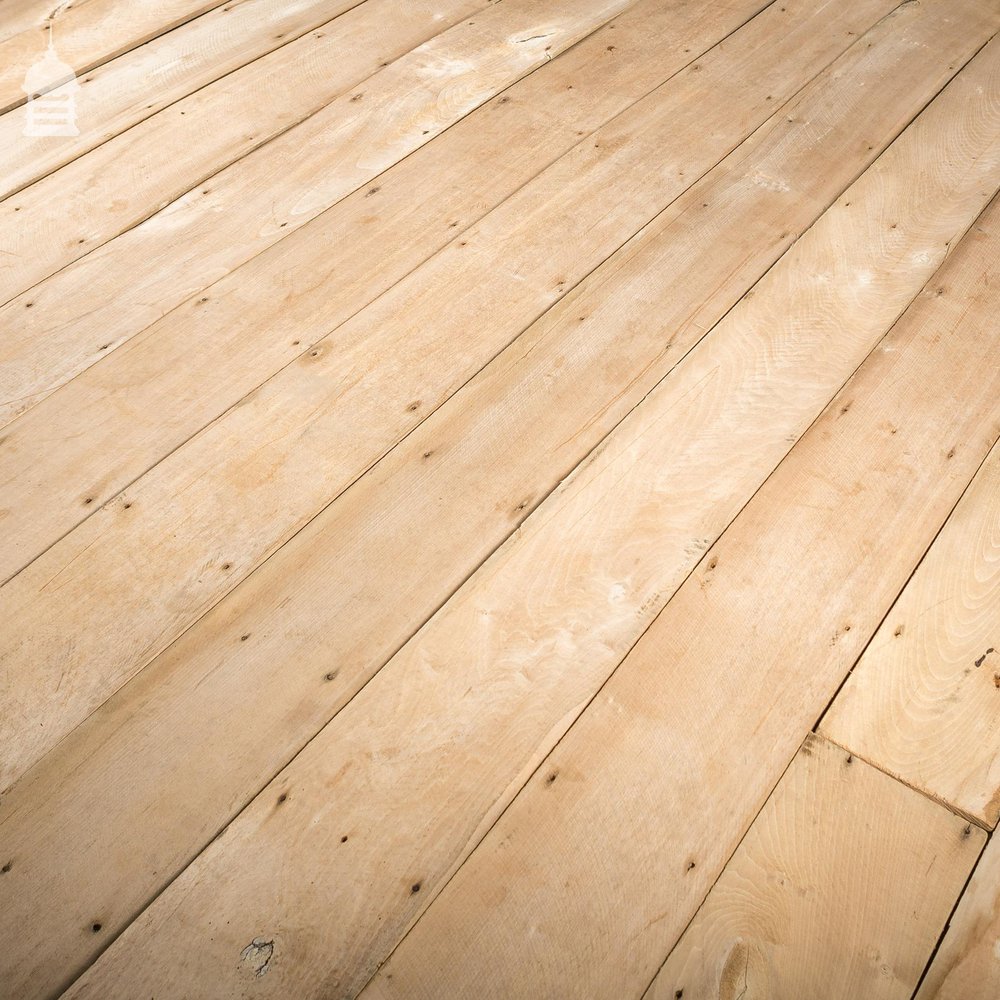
(610, 48)
(282, 798)
(898, 631)
(89, 500)
(343, 839)
(967, 831)
(227, 566)
(850, 758)
(427, 454)
(244, 637)
(678, 994)
(372, 190)
(357, 97)
(126, 506)
(95, 927)
(713, 562)
(28, 305)
(951, 453)
(690, 866)
(415, 888)
(552, 777)
(103, 347)
(414, 406)
(330, 675)
(7, 867)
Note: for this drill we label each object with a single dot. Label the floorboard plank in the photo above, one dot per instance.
(87, 35)
(821, 899)
(273, 189)
(475, 749)
(339, 401)
(922, 702)
(967, 964)
(589, 878)
(422, 202)
(137, 85)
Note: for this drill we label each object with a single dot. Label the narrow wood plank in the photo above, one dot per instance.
(421, 203)
(589, 877)
(87, 35)
(922, 703)
(102, 195)
(274, 190)
(137, 85)
(188, 531)
(466, 690)
(967, 965)
(821, 899)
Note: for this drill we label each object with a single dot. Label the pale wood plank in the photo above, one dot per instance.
(421, 203)
(466, 690)
(840, 889)
(187, 532)
(86, 35)
(967, 965)
(131, 88)
(590, 876)
(273, 190)
(922, 703)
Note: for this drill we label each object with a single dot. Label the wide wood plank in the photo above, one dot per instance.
(589, 877)
(85, 34)
(421, 203)
(967, 964)
(131, 88)
(274, 190)
(466, 698)
(339, 402)
(820, 899)
(922, 703)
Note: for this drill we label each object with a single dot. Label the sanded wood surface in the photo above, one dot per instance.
(819, 899)
(923, 702)
(454, 454)
(333, 398)
(421, 202)
(968, 962)
(589, 877)
(136, 85)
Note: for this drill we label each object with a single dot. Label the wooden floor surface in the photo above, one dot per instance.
(500, 499)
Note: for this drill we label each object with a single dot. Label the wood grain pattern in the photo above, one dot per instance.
(923, 702)
(131, 88)
(421, 762)
(420, 204)
(322, 598)
(820, 899)
(967, 965)
(350, 398)
(86, 34)
(274, 189)
(589, 877)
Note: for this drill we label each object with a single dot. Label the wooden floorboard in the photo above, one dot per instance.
(558, 228)
(118, 95)
(607, 851)
(922, 702)
(820, 898)
(500, 499)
